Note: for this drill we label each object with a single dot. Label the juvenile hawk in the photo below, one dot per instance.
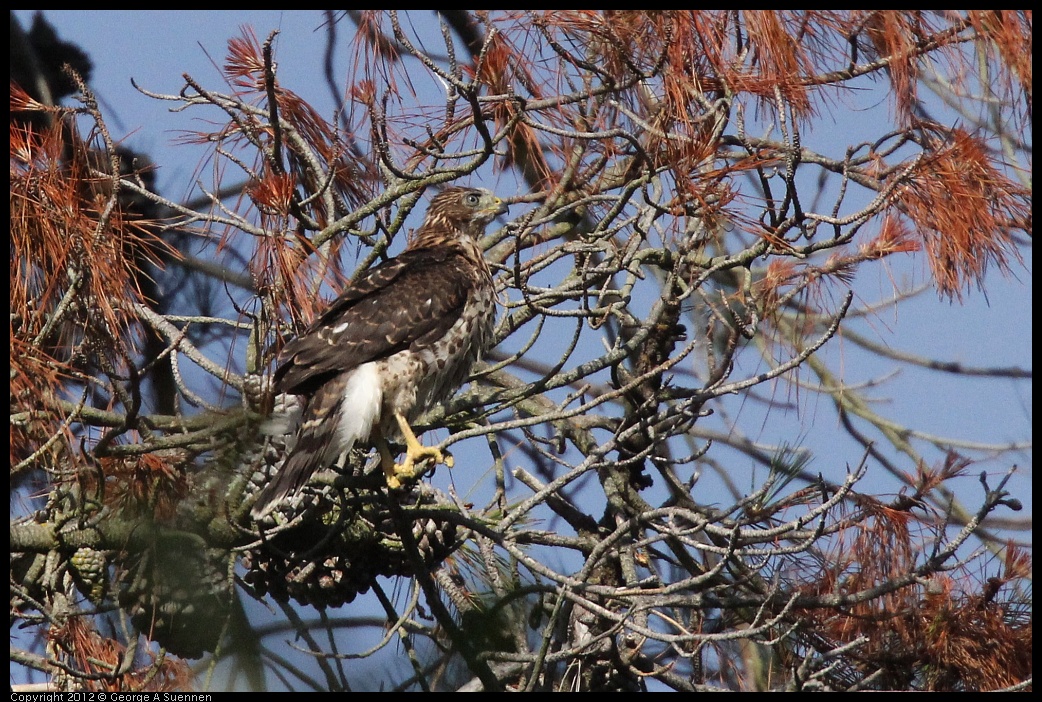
(399, 340)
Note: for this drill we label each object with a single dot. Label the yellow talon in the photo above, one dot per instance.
(415, 453)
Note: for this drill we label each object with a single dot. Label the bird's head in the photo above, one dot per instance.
(457, 210)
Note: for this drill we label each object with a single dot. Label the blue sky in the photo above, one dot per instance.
(154, 48)
(995, 330)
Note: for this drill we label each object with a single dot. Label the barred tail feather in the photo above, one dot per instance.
(341, 413)
(316, 438)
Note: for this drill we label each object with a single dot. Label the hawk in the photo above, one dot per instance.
(399, 340)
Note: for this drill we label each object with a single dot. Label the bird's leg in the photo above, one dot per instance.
(386, 458)
(414, 452)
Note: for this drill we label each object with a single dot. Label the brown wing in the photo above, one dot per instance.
(406, 302)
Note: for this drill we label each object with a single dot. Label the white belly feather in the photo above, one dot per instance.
(363, 397)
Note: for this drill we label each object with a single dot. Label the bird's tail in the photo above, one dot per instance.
(341, 413)
(315, 448)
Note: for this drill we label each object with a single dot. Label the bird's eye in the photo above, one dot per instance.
(472, 199)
